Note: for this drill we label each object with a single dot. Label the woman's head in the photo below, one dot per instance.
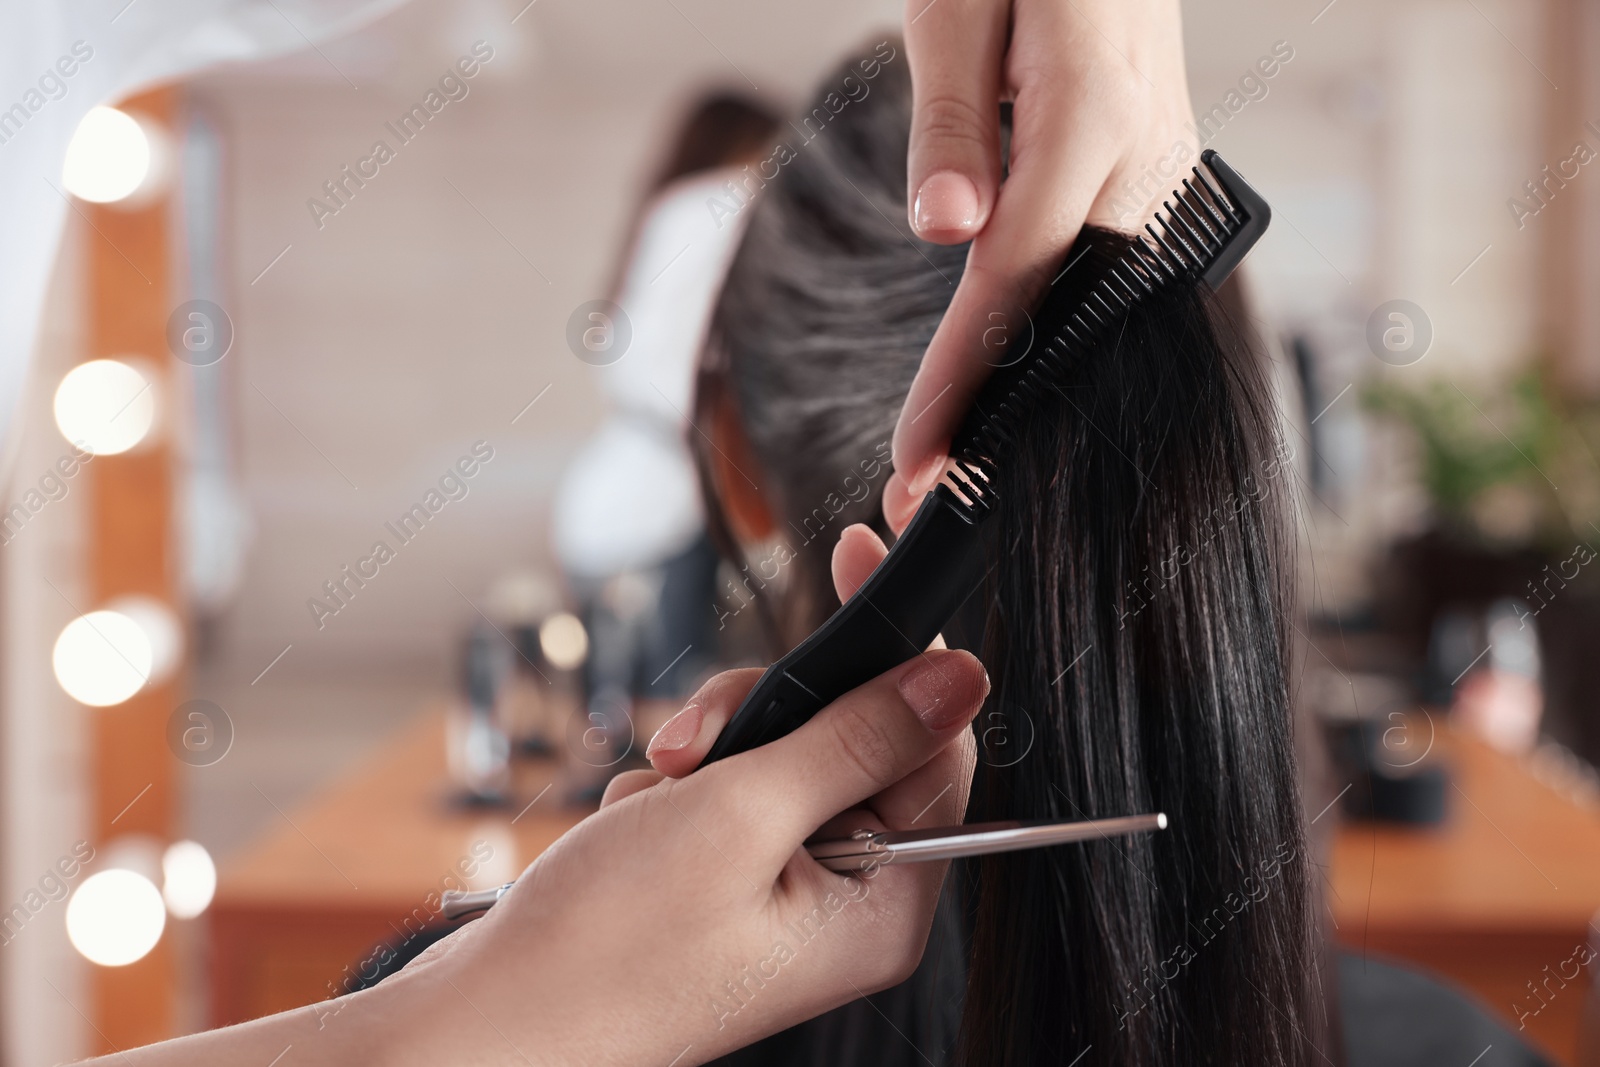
(826, 311)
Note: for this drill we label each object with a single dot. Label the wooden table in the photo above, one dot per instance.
(1504, 887)
(355, 867)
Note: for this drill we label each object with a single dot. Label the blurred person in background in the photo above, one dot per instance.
(629, 528)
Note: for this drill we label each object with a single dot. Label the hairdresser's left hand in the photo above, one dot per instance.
(1099, 105)
(684, 919)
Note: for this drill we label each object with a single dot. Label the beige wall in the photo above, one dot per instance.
(407, 327)
(1387, 147)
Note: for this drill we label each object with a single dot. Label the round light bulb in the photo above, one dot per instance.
(105, 406)
(189, 879)
(102, 658)
(115, 917)
(564, 641)
(108, 157)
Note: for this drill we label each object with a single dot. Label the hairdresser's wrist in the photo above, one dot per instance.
(453, 1010)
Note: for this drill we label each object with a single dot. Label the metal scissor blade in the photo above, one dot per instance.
(864, 850)
(455, 904)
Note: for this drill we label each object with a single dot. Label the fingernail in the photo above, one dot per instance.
(677, 732)
(946, 202)
(944, 688)
(927, 474)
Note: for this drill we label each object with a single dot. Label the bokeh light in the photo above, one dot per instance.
(108, 157)
(105, 406)
(161, 628)
(564, 641)
(115, 917)
(189, 879)
(102, 658)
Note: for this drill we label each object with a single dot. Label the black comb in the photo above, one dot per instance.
(1199, 237)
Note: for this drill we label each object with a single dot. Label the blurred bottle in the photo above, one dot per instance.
(478, 746)
(545, 685)
(1455, 643)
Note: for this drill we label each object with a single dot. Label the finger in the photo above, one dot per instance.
(683, 740)
(858, 746)
(899, 506)
(1054, 180)
(955, 49)
(933, 795)
(936, 793)
(628, 783)
(855, 556)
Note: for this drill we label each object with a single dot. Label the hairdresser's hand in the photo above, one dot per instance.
(684, 918)
(1099, 106)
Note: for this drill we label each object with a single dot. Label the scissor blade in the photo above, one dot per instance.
(978, 839)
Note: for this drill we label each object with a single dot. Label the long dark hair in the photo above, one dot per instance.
(1134, 625)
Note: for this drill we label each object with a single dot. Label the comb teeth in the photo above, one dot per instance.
(1205, 229)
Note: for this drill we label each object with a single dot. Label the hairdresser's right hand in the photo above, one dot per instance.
(684, 919)
(1099, 101)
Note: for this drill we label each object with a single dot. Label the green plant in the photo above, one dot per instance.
(1492, 465)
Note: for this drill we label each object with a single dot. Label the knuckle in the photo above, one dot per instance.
(1117, 93)
(726, 688)
(721, 694)
(863, 741)
(1126, 98)
(946, 122)
(717, 800)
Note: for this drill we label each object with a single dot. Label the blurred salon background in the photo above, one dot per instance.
(352, 542)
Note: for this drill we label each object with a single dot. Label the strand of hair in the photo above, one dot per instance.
(1120, 274)
(1111, 291)
(1140, 272)
(1138, 268)
(1151, 255)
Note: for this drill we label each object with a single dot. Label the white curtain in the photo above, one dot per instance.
(113, 48)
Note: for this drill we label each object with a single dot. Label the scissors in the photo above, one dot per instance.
(866, 850)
